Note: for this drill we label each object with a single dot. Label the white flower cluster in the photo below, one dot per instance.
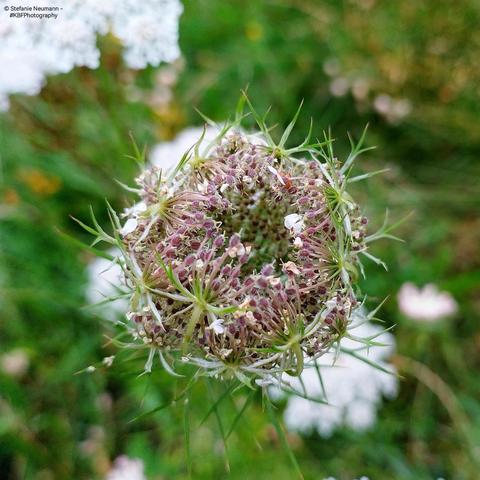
(165, 155)
(103, 280)
(425, 304)
(14, 363)
(31, 48)
(353, 387)
(393, 110)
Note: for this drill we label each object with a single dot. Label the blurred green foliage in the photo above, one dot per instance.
(60, 152)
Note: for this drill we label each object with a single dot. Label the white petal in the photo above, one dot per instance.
(130, 226)
(136, 209)
(217, 326)
(294, 222)
(275, 172)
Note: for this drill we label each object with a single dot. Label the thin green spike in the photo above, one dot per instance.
(186, 427)
(220, 427)
(139, 156)
(290, 126)
(219, 400)
(283, 438)
(239, 414)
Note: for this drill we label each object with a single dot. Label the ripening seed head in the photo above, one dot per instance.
(242, 258)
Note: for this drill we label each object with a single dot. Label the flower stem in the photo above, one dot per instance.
(197, 314)
(299, 356)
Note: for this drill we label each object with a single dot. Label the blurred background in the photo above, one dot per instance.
(409, 70)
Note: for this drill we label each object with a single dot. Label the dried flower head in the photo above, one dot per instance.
(242, 258)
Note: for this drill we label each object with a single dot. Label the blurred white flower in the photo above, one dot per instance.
(425, 304)
(353, 388)
(382, 103)
(32, 48)
(148, 29)
(360, 89)
(14, 363)
(167, 154)
(393, 110)
(339, 87)
(125, 468)
(21, 73)
(331, 67)
(104, 277)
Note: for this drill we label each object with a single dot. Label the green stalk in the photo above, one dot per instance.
(197, 314)
(297, 351)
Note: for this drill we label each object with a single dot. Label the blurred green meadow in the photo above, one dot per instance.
(409, 70)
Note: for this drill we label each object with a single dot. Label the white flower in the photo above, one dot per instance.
(394, 110)
(294, 222)
(298, 242)
(32, 48)
(14, 363)
(130, 226)
(20, 74)
(108, 361)
(217, 326)
(104, 279)
(425, 304)
(125, 468)
(330, 305)
(339, 87)
(275, 172)
(135, 210)
(353, 388)
(148, 29)
(166, 155)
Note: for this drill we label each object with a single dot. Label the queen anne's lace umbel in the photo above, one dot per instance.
(241, 258)
(32, 48)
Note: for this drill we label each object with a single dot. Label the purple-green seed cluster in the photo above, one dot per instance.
(243, 259)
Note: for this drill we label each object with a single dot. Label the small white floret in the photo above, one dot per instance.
(130, 226)
(294, 222)
(217, 326)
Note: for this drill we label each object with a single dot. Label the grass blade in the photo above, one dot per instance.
(283, 438)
